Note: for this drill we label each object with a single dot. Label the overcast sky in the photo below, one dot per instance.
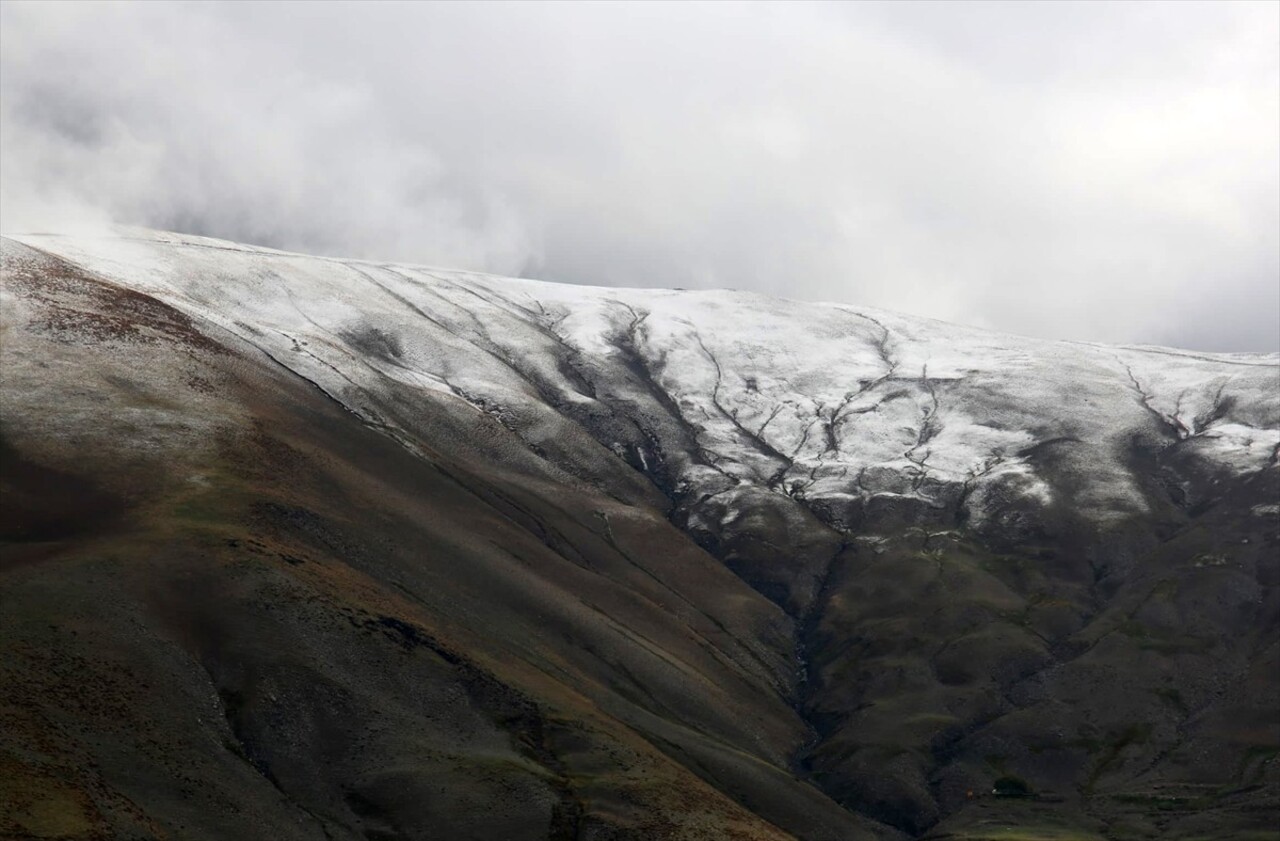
(1095, 171)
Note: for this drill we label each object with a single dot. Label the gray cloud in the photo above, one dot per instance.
(1090, 171)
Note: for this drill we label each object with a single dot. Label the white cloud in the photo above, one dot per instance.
(1091, 171)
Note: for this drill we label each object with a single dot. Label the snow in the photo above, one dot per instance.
(58, 390)
(827, 401)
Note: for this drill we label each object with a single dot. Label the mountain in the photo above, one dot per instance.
(298, 547)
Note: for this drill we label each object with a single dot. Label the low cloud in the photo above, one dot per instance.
(1088, 171)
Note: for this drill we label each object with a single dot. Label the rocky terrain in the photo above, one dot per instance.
(297, 547)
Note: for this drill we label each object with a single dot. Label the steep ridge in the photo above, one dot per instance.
(658, 563)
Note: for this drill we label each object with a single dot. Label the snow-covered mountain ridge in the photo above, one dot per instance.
(726, 394)
(318, 548)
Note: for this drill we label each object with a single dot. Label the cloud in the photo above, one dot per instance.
(1088, 171)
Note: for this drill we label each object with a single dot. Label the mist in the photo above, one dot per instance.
(1087, 171)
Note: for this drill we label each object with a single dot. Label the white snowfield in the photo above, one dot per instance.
(733, 393)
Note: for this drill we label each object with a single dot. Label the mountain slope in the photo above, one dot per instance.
(364, 550)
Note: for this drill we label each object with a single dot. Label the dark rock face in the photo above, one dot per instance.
(305, 549)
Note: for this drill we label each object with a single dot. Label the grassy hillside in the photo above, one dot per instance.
(231, 607)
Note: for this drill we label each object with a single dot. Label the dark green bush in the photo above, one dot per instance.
(1011, 787)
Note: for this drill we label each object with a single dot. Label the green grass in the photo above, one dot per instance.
(1163, 642)
(1239, 835)
(1133, 734)
(1021, 833)
(1172, 697)
(1260, 754)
